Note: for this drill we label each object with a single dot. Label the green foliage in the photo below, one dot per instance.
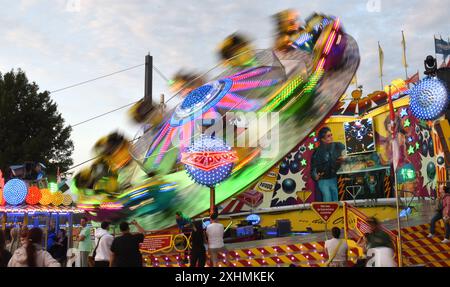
(31, 128)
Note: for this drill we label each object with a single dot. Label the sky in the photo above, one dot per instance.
(63, 42)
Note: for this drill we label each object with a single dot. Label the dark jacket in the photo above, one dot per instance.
(325, 158)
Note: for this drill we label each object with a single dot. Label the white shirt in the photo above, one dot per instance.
(331, 245)
(214, 231)
(103, 252)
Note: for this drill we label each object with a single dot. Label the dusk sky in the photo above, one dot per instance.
(60, 43)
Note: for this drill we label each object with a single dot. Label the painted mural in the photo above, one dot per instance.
(290, 183)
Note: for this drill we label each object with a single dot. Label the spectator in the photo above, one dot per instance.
(184, 224)
(440, 214)
(446, 214)
(59, 248)
(84, 242)
(336, 249)
(198, 253)
(32, 253)
(15, 240)
(5, 255)
(103, 244)
(214, 233)
(23, 235)
(125, 248)
(380, 240)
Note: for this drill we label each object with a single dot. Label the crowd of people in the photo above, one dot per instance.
(23, 247)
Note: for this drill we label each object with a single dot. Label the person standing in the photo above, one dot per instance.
(5, 255)
(380, 241)
(214, 233)
(439, 215)
(32, 254)
(326, 162)
(59, 248)
(336, 249)
(198, 252)
(446, 214)
(84, 242)
(103, 242)
(125, 248)
(184, 224)
(15, 240)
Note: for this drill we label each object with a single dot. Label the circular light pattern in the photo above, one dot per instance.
(200, 101)
(46, 198)
(212, 177)
(2, 200)
(67, 199)
(57, 198)
(15, 191)
(33, 196)
(428, 99)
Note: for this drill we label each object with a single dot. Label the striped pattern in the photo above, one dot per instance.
(307, 254)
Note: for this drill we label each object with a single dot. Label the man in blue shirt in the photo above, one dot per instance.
(326, 161)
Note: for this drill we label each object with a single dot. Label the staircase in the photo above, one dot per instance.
(418, 250)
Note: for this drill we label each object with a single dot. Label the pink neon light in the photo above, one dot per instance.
(247, 85)
(159, 138)
(253, 73)
(165, 146)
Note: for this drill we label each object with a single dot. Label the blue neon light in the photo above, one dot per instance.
(428, 99)
(15, 191)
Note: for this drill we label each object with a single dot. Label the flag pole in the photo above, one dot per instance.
(405, 64)
(394, 164)
(380, 56)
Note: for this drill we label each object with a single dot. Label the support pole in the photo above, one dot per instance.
(395, 147)
(148, 78)
(212, 199)
(70, 231)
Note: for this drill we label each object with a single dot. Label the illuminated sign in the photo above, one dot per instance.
(208, 160)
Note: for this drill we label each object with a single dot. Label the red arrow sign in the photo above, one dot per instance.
(325, 209)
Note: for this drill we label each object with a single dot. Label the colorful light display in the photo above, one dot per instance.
(46, 198)
(33, 196)
(67, 199)
(224, 93)
(428, 99)
(15, 191)
(203, 163)
(57, 198)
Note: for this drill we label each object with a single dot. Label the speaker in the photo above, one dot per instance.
(283, 227)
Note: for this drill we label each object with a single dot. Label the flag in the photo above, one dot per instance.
(381, 57)
(442, 47)
(413, 79)
(405, 64)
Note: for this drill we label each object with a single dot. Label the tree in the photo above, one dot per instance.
(31, 128)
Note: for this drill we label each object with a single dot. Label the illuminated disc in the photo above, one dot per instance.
(15, 191)
(213, 176)
(57, 198)
(200, 101)
(428, 99)
(46, 198)
(33, 196)
(2, 200)
(67, 199)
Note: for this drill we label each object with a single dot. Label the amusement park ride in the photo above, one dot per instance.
(149, 180)
(241, 139)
